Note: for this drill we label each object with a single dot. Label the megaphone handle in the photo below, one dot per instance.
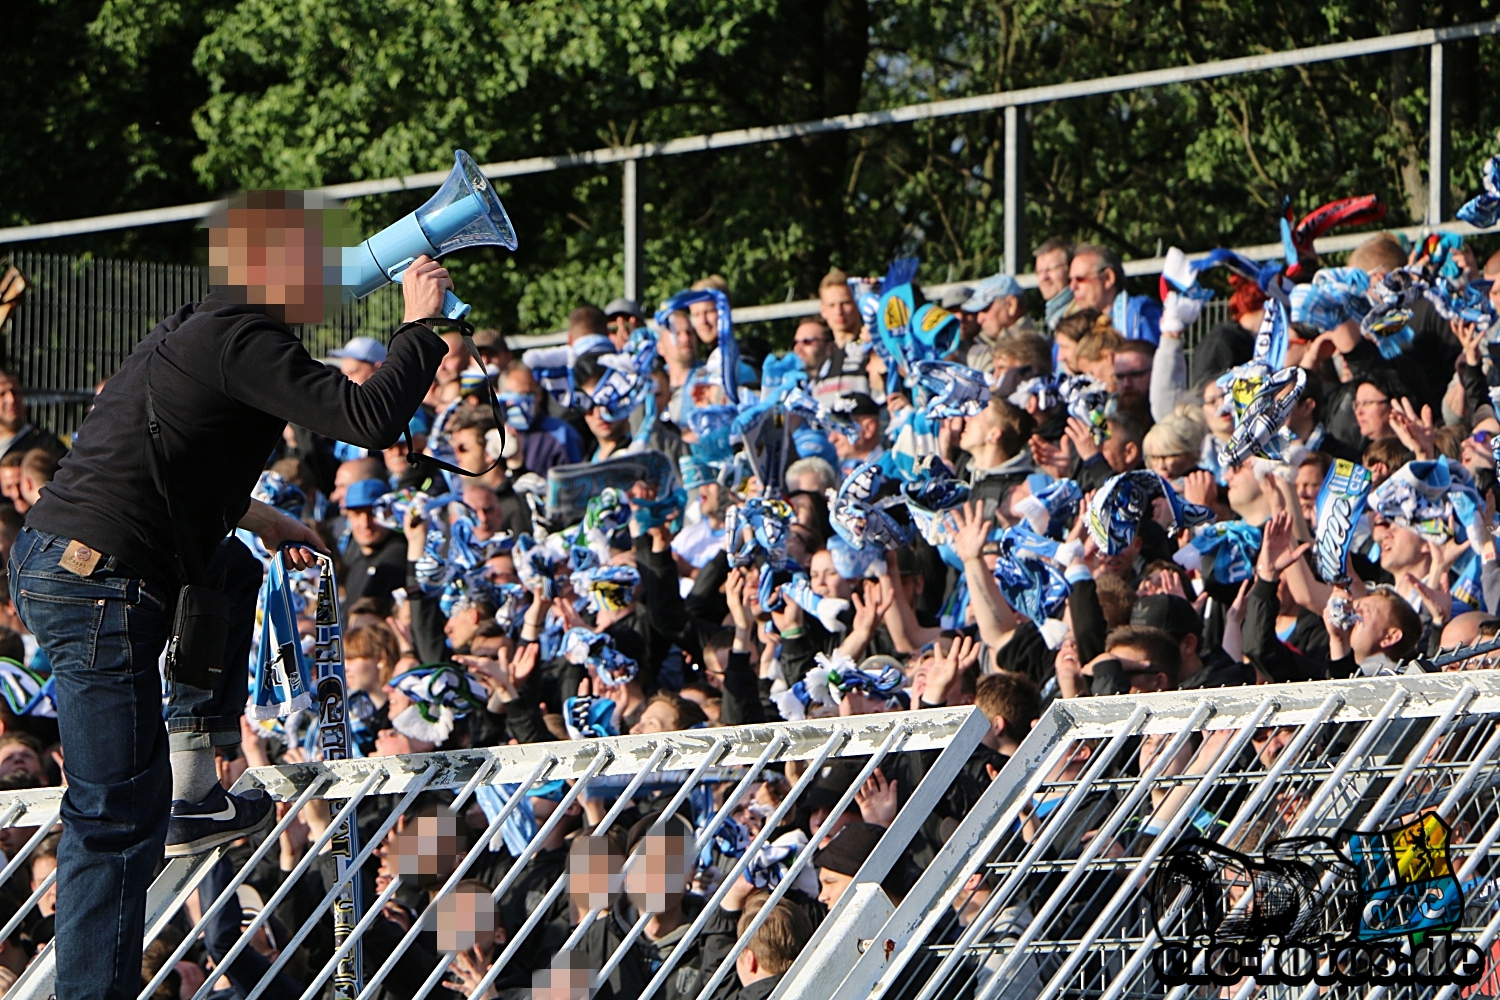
(454, 307)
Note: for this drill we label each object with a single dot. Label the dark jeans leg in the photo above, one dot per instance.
(196, 717)
(104, 635)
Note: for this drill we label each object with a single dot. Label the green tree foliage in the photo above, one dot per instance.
(161, 101)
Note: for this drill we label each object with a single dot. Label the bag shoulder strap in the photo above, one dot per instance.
(466, 330)
(188, 569)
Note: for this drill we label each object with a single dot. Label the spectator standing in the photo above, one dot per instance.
(1097, 278)
(1052, 260)
(623, 317)
(998, 304)
(375, 557)
(16, 435)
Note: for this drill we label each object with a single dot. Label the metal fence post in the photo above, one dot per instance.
(632, 209)
(1015, 192)
(1437, 134)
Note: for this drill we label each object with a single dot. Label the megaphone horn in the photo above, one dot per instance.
(465, 212)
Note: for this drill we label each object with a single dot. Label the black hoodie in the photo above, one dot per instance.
(225, 380)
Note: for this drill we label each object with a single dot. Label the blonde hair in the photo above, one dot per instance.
(1175, 435)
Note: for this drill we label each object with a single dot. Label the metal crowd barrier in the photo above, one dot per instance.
(744, 751)
(1044, 890)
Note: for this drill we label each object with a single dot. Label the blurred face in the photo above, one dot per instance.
(1173, 466)
(1221, 424)
(1372, 628)
(487, 506)
(1308, 482)
(1000, 315)
(462, 626)
(363, 527)
(705, 317)
(869, 437)
(455, 361)
(1119, 451)
(469, 447)
(357, 371)
(825, 580)
(1093, 286)
(362, 673)
(1051, 273)
(1132, 373)
(977, 431)
(12, 406)
(1478, 448)
(836, 306)
(18, 757)
(594, 874)
(1067, 353)
(658, 717)
(812, 345)
(1372, 411)
(1144, 676)
(620, 327)
(275, 257)
(675, 341)
(658, 879)
(41, 867)
(1244, 488)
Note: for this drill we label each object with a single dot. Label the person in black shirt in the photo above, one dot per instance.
(133, 514)
(375, 557)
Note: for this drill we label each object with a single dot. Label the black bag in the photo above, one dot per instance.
(200, 623)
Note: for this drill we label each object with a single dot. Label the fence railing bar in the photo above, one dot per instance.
(1263, 791)
(1106, 834)
(351, 871)
(296, 873)
(1130, 887)
(1045, 836)
(703, 840)
(600, 760)
(838, 738)
(244, 873)
(892, 744)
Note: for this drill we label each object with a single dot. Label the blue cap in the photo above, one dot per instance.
(990, 289)
(421, 422)
(366, 349)
(365, 492)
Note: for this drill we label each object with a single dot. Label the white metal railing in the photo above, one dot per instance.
(386, 787)
(1041, 892)
(1037, 893)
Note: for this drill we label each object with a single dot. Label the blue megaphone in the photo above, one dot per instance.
(465, 212)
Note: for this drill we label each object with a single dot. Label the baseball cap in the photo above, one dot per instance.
(954, 298)
(990, 289)
(490, 340)
(857, 404)
(365, 492)
(624, 307)
(1168, 612)
(366, 349)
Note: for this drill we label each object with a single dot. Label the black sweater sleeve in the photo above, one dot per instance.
(1267, 653)
(427, 636)
(269, 369)
(661, 617)
(1089, 627)
(524, 718)
(742, 704)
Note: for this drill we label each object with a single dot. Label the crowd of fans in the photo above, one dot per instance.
(981, 501)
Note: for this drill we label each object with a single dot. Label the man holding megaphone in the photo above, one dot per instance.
(130, 546)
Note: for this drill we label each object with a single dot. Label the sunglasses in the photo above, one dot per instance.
(1483, 437)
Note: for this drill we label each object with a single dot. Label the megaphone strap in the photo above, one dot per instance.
(466, 330)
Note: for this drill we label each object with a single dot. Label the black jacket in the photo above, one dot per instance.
(225, 381)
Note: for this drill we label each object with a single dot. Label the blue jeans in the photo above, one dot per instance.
(104, 635)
